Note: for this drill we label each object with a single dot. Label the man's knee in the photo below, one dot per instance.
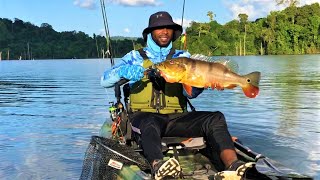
(139, 118)
(145, 122)
(217, 118)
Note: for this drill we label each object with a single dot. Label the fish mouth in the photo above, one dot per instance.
(251, 91)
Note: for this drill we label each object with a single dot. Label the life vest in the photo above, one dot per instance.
(145, 97)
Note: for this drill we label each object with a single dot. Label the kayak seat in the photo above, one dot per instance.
(195, 143)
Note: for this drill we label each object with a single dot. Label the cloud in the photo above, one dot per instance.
(87, 4)
(309, 2)
(257, 8)
(186, 22)
(253, 8)
(136, 2)
(102, 32)
(127, 30)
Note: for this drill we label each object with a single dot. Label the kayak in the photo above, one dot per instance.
(106, 158)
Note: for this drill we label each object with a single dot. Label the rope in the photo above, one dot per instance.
(106, 28)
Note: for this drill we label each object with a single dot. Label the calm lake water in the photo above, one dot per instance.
(50, 109)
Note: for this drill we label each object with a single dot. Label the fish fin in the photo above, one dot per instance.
(231, 86)
(230, 64)
(217, 87)
(202, 57)
(251, 90)
(188, 89)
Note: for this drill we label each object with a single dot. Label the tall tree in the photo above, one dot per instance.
(243, 25)
(210, 14)
(203, 29)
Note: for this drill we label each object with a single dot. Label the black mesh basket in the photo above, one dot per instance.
(99, 153)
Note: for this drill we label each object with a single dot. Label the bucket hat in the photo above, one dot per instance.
(162, 19)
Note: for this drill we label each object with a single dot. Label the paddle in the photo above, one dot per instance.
(267, 166)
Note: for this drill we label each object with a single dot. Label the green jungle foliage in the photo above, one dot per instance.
(294, 30)
(24, 40)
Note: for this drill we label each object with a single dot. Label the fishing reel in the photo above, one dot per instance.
(115, 109)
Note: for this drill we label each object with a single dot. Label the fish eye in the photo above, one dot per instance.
(171, 62)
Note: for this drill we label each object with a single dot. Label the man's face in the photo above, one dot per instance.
(162, 36)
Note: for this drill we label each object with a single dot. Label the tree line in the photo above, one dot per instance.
(294, 30)
(23, 40)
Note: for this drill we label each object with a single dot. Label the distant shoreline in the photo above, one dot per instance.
(120, 57)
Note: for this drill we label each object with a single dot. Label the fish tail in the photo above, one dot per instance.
(251, 89)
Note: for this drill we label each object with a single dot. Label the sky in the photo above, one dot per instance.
(129, 17)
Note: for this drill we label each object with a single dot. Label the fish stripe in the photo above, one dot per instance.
(193, 66)
(210, 68)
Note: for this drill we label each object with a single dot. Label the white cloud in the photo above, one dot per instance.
(102, 32)
(257, 8)
(186, 22)
(127, 30)
(310, 1)
(244, 9)
(136, 2)
(87, 4)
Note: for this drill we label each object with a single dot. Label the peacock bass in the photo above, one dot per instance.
(202, 74)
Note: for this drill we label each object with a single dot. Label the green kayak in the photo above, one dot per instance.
(107, 158)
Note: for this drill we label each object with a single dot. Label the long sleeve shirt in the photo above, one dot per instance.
(156, 55)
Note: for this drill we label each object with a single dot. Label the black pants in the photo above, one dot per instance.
(152, 126)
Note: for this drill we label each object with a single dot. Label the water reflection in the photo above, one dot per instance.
(288, 98)
(297, 85)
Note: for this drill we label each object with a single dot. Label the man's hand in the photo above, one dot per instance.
(153, 73)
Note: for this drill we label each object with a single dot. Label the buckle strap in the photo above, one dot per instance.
(171, 53)
(142, 53)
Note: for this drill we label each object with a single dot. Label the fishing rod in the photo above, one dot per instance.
(106, 28)
(184, 2)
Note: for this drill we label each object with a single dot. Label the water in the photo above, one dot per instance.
(50, 109)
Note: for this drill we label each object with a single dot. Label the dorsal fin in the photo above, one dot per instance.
(202, 57)
(230, 64)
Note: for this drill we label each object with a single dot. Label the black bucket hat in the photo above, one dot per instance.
(162, 19)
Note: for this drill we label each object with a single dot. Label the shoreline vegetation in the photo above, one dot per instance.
(292, 31)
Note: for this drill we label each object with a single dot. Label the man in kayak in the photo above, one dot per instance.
(159, 109)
